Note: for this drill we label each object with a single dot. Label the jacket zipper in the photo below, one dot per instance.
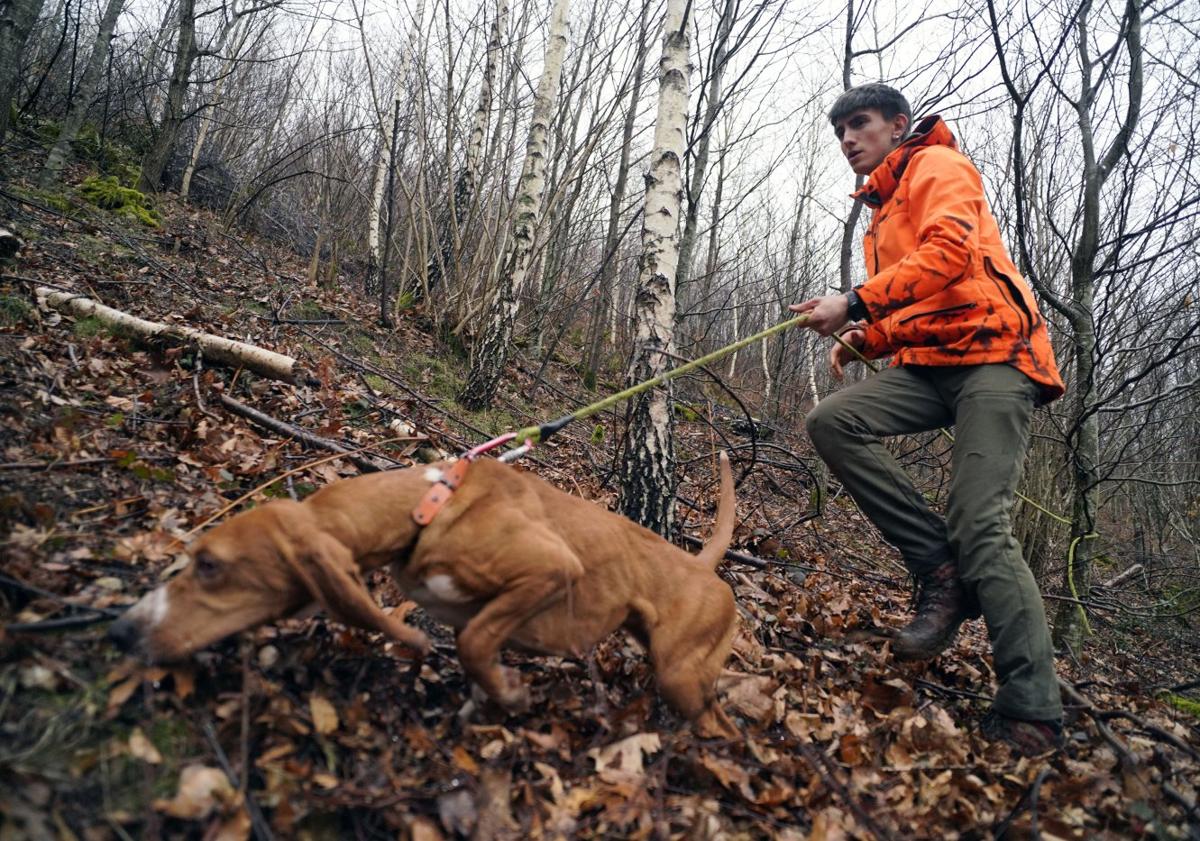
(967, 306)
(1005, 283)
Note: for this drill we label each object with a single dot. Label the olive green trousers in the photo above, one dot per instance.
(989, 407)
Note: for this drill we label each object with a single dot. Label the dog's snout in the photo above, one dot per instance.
(123, 634)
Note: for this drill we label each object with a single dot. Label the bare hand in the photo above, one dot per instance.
(825, 315)
(839, 354)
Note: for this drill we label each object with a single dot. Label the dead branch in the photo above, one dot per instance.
(303, 436)
(217, 349)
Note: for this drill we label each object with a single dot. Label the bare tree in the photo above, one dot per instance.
(17, 18)
(60, 152)
(491, 354)
(648, 467)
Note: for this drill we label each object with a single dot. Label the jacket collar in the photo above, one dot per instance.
(930, 131)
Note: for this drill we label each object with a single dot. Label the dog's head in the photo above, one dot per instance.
(261, 565)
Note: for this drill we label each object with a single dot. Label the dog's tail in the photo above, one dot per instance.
(718, 541)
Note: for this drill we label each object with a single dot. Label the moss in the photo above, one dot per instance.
(685, 412)
(598, 434)
(87, 327)
(379, 383)
(13, 310)
(360, 342)
(1183, 704)
(309, 310)
(434, 374)
(494, 421)
(126, 202)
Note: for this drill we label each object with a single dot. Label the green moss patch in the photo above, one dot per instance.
(1179, 702)
(13, 310)
(127, 202)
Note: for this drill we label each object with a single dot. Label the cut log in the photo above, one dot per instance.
(216, 349)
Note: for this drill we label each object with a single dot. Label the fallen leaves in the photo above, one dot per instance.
(341, 737)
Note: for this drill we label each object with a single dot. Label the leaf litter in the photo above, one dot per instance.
(310, 729)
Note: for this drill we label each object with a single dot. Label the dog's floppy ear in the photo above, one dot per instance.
(327, 570)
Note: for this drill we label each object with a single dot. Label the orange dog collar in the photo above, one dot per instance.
(440, 492)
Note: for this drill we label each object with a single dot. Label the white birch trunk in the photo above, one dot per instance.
(491, 355)
(60, 153)
(736, 328)
(386, 120)
(217, 349)
(467, 182)
(765, 360)
(648, 470)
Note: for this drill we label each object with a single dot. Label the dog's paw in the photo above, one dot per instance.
(412, 638)
(713, 723)
(514, 694)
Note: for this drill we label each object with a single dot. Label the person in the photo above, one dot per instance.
(970, 349)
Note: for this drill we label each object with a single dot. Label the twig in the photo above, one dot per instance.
(245, 746)
(819, 763)
(1030, 796)
(261, 828)
(66, 623)
(196, 385)
(302, 435)
(306, 466)
(18, 584)
(1154, 730)
(1184, 687)
(750, 560)
(1175, 794)
(54, 465)
(947, 690)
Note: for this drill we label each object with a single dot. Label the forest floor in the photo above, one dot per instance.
(112, 452)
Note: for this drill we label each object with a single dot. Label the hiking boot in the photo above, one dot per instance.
(941, 608)
(1028, 738)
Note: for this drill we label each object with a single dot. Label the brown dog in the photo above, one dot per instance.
(510, 560)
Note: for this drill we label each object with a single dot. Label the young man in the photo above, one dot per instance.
(969, 349)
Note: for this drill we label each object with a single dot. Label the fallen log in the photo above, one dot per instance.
(216, 349)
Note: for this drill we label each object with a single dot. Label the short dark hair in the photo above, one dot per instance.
(883, 98)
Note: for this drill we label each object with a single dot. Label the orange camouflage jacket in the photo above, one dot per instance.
(941, 288)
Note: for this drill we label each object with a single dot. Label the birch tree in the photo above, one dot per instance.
(17, 18)
(60, 152)
(386, 120)
(462, 197)
(648, 465)
(491, 353)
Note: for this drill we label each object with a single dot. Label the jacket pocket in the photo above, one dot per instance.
(1011, 295)
(970, 305)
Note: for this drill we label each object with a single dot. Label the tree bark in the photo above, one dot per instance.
(1069, 626)
(386, 122)
(155, 160)
(467, 182)
(60, 152)
(217, 349)
(214, 102)
(648, 465)
(16, 22)
(491, 354)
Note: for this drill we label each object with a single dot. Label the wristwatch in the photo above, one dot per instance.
(856, 310)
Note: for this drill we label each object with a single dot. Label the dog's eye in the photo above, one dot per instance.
(206, 566)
